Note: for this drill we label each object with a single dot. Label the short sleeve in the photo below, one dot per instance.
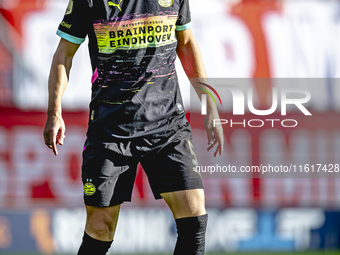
(75, 24)
(184, 16)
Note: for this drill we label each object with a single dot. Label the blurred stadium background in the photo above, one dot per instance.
(41, 208)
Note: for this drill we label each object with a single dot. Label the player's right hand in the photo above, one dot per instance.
(54, 133)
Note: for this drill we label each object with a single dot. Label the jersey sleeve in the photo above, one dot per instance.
(184, 16)
(74, 26)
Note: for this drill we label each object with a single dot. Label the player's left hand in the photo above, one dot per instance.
(214, 134)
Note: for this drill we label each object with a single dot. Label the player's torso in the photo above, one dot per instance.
(134, 78)
(136, 42)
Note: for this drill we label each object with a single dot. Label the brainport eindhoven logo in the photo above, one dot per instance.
(239, 103)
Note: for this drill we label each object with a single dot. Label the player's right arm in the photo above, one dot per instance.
(57, 82)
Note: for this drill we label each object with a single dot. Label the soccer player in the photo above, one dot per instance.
(136, 113)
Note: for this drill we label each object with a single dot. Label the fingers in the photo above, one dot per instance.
(210, 137)
(212, 145)
(53, 140)
(217, 140)
(54, 133)
(61, 136)
(219, 148)
(47, 140)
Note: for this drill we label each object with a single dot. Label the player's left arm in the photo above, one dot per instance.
(190, 56)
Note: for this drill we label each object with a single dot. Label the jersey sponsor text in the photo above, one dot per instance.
(140, 33)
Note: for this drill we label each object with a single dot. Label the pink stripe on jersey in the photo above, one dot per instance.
(94, 76)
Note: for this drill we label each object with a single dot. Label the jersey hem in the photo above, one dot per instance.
(183, 27)
(70, 38)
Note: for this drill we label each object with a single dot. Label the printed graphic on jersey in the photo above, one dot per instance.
(69, 8)
(111, 3)
(137, 33)
(165, 3)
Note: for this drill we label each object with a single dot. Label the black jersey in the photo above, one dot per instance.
(132, 45)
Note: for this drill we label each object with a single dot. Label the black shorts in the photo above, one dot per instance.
(109, 169)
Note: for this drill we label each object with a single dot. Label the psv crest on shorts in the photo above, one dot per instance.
(89, 189)
(165, 3)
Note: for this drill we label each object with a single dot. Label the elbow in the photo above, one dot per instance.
(64, 53)
(62, 58)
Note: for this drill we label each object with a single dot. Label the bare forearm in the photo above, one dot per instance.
(189, 53)
(59, 74)
(56, 86)
(190, 56)
(191, 59)
(61, 65)
(57, 83)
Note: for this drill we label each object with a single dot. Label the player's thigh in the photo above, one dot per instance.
(101, 221)
(186, 203)
(172, 167)
(107, 174)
